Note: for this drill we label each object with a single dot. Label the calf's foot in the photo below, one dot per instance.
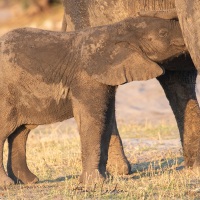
(91, 177)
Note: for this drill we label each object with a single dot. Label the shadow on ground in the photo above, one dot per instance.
(157, 167)
(60, 179)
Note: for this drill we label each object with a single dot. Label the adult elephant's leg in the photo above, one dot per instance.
(17, 166)
(117, 161)
(93, 113)
(179, 87)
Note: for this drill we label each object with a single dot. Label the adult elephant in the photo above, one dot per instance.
(179, 81)
(178, 84)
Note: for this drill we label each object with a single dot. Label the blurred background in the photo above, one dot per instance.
(46, 14)
(136, 102)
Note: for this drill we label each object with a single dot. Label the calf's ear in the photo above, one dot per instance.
(121, 63)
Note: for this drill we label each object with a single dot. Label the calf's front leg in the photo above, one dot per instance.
(93, 105)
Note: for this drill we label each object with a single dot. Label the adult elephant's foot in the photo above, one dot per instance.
(196, 163)
(5, 181)
(191, 140)
(92, 177)
(117, 162)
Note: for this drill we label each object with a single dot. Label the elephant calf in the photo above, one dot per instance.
(50, 76)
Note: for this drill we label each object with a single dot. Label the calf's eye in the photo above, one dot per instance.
(163, 32)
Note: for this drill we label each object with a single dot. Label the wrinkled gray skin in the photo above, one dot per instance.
(187, 11)
(178, 86)
(49, 76)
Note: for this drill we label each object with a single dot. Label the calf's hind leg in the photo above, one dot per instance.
(17, 166)
(5, 130)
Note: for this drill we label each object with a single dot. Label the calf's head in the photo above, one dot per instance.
(160, 39)
(131, 49)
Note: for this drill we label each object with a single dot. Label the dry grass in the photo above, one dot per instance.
(148, 130)
(54, 155)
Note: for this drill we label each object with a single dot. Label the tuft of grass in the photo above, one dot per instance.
(54, 156)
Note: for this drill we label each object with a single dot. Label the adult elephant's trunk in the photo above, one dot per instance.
(189, 18)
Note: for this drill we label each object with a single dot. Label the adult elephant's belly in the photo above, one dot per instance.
(181, 63)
